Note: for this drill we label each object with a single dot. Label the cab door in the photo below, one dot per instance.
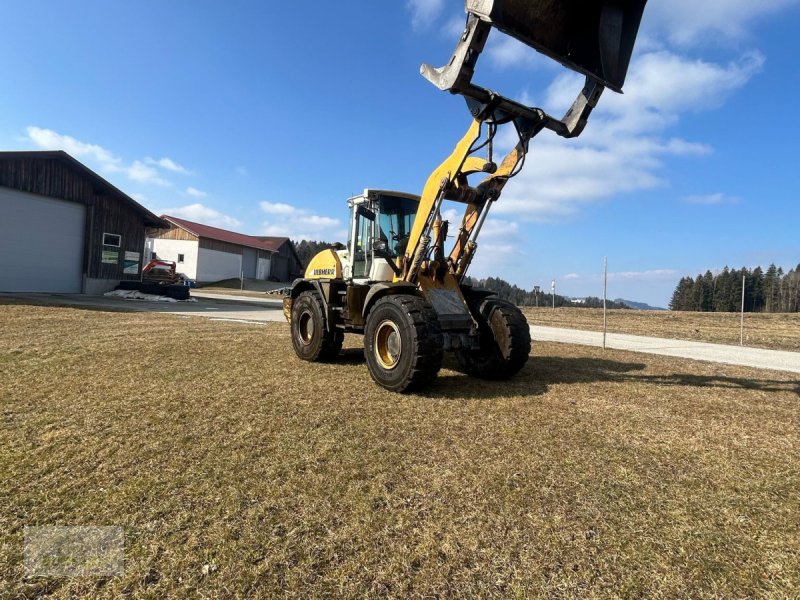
(360, 244)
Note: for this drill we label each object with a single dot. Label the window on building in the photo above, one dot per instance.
(112, 239)
(180, 258)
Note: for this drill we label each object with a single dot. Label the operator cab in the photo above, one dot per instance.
(380, 224)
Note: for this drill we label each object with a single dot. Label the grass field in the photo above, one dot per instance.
(776, 331)
(239, 472)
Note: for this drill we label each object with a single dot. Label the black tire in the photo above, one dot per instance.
(505, 341)
(153, 288)
(310, 336)
(403, 343)
(178, 292)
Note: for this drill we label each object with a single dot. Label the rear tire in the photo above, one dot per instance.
(505, 341)
(403, 343)
(310, 336)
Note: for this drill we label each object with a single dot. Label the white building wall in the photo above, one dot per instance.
(213, 265)
(169, 250)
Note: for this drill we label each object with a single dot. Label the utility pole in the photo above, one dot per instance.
(605, 295)
(553, 291)
(741, 324)
(536, 289)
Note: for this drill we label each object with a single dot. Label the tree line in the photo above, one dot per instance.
(308, 249)
(522, 297)
(771, 291)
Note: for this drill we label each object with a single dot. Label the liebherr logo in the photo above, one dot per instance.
(324, 272)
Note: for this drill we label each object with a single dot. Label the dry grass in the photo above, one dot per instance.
(589, 475)
(776, 331)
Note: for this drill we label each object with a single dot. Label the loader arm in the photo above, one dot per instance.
(595, 39)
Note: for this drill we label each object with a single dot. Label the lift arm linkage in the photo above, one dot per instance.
(595, 39)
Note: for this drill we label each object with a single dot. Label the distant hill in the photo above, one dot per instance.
(638, 305)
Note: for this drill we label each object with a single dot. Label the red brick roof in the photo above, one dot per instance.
(271, 244)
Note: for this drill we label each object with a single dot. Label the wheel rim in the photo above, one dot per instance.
(305, 327)
(388, 344)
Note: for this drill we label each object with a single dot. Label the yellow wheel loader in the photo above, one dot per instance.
(395, 282)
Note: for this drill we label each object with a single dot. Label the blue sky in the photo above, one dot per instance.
(247, 116)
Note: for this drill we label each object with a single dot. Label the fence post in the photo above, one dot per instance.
(605, 295)
(741, 324)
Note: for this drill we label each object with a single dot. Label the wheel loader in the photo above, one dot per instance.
(395, 282)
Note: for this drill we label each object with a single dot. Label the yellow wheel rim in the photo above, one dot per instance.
(388, 344)
(305, 327)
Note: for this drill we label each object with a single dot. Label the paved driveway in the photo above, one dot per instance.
(731, 355)
(247, 309)
(228, 308)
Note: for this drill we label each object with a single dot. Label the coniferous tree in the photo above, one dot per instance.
(756, 284)
(770, 291)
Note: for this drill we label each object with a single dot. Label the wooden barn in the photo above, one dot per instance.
(65, 229)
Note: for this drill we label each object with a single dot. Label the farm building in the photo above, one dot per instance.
(208, 254)
(63, 228)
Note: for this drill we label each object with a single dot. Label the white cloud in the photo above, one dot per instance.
(454, 26)
(686, 22)
(168, 164)
(505, 51)
(496, 228)
(316, 222)
(453, 216)
(650, 275)
(142, 173)
(623, 148)
(646, 275)
(277, 208)
(711, 199)
(286, 220)
(191, 191)
(48, 139)
(200, 213)
(424, 12)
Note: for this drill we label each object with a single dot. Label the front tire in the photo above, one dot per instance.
(505, 341)
(403, 343)
(310, 336)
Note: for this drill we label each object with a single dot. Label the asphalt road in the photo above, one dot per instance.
(731, 355)
(216, 307)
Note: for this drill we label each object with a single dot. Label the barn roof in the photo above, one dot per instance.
(276, 242)
(271, 244)
(100, 184)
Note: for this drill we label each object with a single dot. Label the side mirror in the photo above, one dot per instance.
(366, 213)
(379, 246)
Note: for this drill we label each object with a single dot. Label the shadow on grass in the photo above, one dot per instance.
(543, 371)
(352, 356)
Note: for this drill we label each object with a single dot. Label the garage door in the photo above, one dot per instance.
(41, 243)
(249, 261)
